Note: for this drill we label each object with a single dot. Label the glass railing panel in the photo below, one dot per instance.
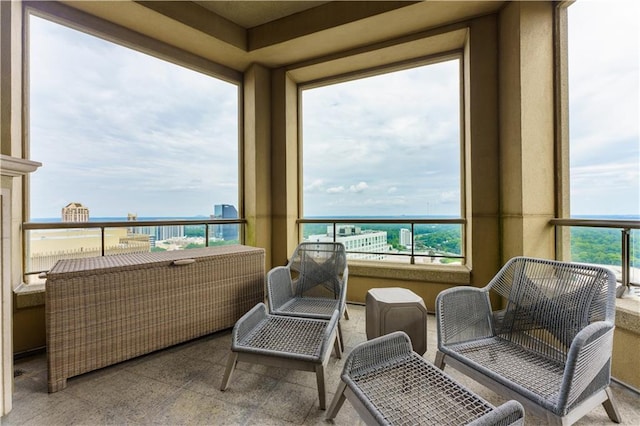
(634, 256)
(597, 246)
(224, 234)
(438, 244)
(44, 247)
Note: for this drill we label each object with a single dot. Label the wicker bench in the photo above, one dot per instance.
(284, 342)
(390, 384)
(103, 310)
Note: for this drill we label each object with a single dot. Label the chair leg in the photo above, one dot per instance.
(338, 400)
(321, 390)
(231, 365)
(340, 340)
(439, 361)
(611, 407)
(346, 312)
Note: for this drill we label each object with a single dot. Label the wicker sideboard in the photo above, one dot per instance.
(103, 310)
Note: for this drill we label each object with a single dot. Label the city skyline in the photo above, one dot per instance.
(169, 156)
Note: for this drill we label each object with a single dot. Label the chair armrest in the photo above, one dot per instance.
(279, 287)
(380, 350)
(343, 290)
(463, 314)
(509, 413)
(331, 326)
(589, 353)
(247, 323)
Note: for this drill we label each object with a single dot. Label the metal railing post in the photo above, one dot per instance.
(102, 240)
(626, 257)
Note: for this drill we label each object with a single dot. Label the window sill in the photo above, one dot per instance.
(442, 274)
(628, 314)
(28, 296)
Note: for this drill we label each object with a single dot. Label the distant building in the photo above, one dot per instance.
(360, 244)
(225, 232)
(75, 212)
(406, 238)
(155, 233)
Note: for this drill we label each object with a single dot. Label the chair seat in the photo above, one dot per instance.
(309, 307)
(510, 364)
(286, 337)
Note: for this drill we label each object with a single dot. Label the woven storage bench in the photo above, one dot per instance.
(103, 310)
(389, 384)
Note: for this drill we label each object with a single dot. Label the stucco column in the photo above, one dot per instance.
(257, 158)
(527, 129)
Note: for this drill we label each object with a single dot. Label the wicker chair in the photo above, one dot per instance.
(549, 348)
(389, 384)
(313, 284)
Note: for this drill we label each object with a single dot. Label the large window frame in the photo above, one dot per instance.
(373, 258)
(102, 29)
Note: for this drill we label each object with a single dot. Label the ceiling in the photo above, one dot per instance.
(236, 34)
(250, 14)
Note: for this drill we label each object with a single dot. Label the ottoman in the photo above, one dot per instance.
(397, 309)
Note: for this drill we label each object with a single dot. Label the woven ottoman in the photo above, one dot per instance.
(284, 342)
(397, 309)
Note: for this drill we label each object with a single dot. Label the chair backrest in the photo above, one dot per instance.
(318, 264)
(547, 303)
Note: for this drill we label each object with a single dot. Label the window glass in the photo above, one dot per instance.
(386, 145)
(122, 132)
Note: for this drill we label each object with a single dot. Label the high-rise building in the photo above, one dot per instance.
(226, 232)
(405, 237)
(75, 212)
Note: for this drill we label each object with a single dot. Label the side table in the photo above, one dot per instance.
(397, 309)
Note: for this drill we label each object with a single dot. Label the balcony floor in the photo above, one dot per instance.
(180, 385)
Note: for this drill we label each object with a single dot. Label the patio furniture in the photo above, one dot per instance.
(313, 284)
(389, 384)
(103, 310)
(284, 342)
(549, 347)
(397, 309)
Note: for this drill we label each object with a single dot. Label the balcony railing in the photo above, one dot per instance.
(422, 241)
(629, 249)
(47, 242)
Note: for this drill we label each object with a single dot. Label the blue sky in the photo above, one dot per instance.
(122, 132)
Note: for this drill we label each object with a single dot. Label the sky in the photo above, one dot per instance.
(123, 132)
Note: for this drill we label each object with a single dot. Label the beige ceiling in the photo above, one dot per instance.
(250, 14)
(280, 33)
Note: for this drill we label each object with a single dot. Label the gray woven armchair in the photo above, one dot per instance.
(389, 384)
(549, 347)
(313, 284)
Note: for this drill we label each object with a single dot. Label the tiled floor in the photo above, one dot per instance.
(180, 385)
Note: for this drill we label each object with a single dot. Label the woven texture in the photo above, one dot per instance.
(552, 341)
(100, 311)
(282, 336)
(401, 388)
(313, 284)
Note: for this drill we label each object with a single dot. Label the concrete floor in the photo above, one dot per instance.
(180, 385)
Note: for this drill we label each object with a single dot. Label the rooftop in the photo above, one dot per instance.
(180, 385)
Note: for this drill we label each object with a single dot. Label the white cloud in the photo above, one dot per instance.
(359, 187)
(336, 190)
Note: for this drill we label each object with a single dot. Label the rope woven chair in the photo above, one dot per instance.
(313, 284)
(389, 384)
(549, 347)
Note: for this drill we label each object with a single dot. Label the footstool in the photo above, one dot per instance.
(397, 309)
(285, 342)
(389, 384)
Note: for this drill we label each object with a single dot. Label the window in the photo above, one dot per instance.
(122, 132)
(386, 146)
(125, 136)
(604, 137)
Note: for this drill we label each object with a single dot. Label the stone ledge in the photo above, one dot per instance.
(628, 314)
(441, 274)
(28, 296)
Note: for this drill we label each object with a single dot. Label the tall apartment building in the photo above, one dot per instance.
(225, 232)
(155, 233)
(360, 244)
(75, 212)
(406, 238)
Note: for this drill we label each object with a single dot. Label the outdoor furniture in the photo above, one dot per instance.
(313, 284)
(284, 342)
(389, 384)
(397, 309)
(103, 310)
(549, 347)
